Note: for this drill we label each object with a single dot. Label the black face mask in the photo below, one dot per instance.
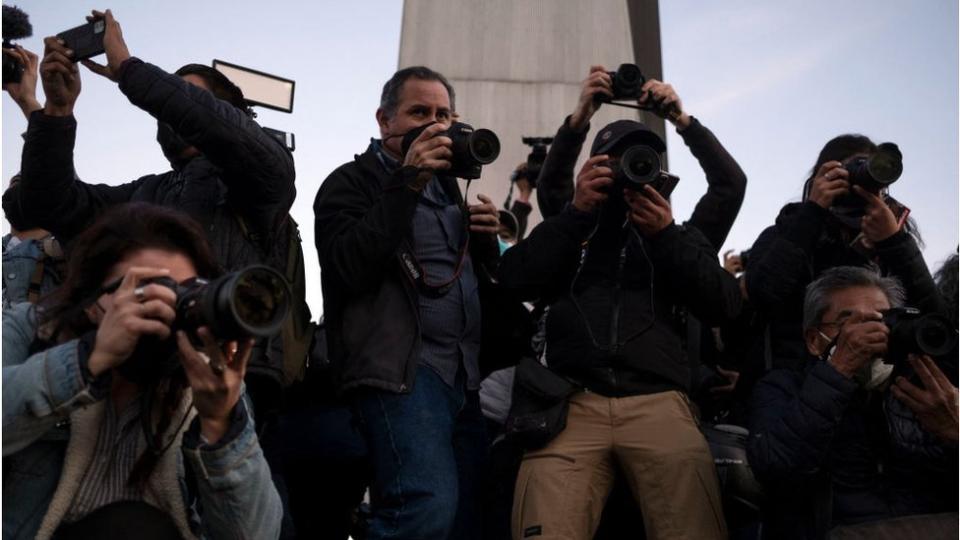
(173, 145)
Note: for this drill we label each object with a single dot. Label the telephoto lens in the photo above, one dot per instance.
(877, 171)
(253, 301)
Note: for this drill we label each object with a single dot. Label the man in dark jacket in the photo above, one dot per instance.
(228, 174)
(838, 445)
(403, 259)
(616, 271)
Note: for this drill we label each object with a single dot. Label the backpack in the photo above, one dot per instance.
(297, 332)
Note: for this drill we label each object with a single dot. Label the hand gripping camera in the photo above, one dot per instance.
(472, 149)
(252, 302)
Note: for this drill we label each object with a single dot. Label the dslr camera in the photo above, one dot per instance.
(913, 332)
(252, 302)
(538, 154)
(627, 82)
(472, 148)
(640, 165)
(877, 171)
(16, 25)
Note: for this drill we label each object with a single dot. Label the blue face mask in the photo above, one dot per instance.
(504, 245)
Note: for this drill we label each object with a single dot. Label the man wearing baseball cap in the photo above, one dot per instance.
(617, 273)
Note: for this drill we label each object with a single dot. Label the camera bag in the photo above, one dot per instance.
(538, 412)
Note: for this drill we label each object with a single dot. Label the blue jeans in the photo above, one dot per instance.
(427, 449)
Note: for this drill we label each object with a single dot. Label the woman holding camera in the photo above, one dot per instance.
(116, 425)
(838, 223)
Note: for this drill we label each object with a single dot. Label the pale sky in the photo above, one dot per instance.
(773, 80)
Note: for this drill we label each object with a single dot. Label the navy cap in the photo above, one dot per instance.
(631, 130)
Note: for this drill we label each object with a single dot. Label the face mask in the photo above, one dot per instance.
(504, 245)
(172, 145)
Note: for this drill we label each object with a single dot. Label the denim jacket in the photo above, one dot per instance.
(225, 489)
(19, 263)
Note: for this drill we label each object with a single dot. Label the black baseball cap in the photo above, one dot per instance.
(621, 130)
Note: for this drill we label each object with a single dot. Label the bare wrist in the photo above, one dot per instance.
(578, 121)
(98, 362)
(681, 122)
(213, 429)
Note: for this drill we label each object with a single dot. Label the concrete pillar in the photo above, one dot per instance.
(517, 65)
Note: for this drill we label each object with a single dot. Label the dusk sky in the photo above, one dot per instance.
(773, 80)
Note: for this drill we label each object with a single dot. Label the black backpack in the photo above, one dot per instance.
(286, 256)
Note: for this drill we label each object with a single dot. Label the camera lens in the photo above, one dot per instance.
(627, 82)
(484, 146)
(885, 167)
(260, 300)
(640, 165)
(934, 336)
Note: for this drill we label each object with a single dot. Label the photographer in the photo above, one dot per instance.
(850, 439)
(228, 174)
(838, 223)
(615, 269)
(726, 183)
(32, 258)
(408, 346)
(521, 206)
(100, 443)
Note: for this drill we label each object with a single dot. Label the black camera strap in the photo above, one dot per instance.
(415, 272)
(673, 114)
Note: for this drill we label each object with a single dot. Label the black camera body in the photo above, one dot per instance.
(16, 25)
(627, 83)
(252, 302)
(86, 40)
(877, 171)
(913, 332)
(471, 148)
(639, 166)
(538, 154)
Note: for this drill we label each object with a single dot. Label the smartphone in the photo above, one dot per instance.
(669, 182)
(86, 40)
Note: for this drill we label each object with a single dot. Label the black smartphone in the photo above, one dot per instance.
(86, 40)
(668, 183)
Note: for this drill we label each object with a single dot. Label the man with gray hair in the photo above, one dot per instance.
(854, 447)
(403, 258)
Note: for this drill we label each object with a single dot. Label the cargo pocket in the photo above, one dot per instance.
(541, 495)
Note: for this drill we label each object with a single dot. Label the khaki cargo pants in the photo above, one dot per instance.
(653, 439)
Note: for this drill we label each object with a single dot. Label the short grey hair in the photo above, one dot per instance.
(817, 299)
(390, 97)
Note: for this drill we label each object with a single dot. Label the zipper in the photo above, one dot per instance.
(615, 311)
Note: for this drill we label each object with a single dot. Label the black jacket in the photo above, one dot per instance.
(830, 453)
(634, 303)
(806, 241)
(715, 211)
(242, 171)
(363, 214)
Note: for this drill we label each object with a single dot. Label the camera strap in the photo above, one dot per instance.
(673, 114)
(415, 272)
